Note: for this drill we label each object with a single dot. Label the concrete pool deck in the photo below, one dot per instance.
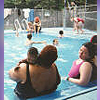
(76, 92)
(87, 96)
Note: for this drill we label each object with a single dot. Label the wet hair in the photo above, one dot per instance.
(55, 40)
(32, 55)
(29, 36)
(94, 39)
(47, 56)
(61, 32)
(91, 49)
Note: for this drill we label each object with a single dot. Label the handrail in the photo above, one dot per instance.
(23, 25)
(17, 25)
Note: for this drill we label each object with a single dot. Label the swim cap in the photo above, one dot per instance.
(36, 18)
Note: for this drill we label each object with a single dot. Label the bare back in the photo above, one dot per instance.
(42, 79)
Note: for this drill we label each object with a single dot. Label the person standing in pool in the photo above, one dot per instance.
(37, 25)
(78, 24)
(83, 69)
(37, 76)
(29, 42)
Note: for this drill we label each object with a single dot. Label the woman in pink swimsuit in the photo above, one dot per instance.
(83, 69)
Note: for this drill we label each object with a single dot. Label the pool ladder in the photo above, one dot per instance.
(22, 26)
(17, 25)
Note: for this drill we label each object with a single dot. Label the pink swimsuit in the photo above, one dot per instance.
(75, 69)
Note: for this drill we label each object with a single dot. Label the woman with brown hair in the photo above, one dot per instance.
(83, 69)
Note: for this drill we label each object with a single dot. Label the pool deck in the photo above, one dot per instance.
(87, 96)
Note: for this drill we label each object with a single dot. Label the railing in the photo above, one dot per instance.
(17, 25)
(24, 24)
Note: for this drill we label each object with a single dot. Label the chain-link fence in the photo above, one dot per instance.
(55, 18)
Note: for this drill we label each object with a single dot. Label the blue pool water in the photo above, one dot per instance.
(15, 50)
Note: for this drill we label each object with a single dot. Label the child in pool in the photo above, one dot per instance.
(55, 42)
(61, 34)
(30, 42)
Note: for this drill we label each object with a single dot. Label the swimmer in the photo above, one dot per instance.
(55, 42)
(61, 34)
(30, 42)
(83, 69)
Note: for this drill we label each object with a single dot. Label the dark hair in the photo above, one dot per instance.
(61, 32)
(47, 56)
(29, 36)
(54, 40)
(94, 39)
(91, 49)
(32, 55)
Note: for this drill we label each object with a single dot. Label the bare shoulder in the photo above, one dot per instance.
(86, 65)
(17, 72)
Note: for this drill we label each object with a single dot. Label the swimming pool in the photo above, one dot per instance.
(15, 50)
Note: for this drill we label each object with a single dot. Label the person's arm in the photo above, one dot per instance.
(22, 61)
(18, 73)
(85, 74)
(40, 23)
(33, 42)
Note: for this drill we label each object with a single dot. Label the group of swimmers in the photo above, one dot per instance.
(35, 27)
(38, 75)
(29, 40)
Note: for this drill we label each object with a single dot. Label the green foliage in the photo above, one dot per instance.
(46, 4)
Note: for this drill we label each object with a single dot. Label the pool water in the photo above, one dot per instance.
(15, 50)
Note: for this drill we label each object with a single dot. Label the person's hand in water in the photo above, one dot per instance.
(65, 78)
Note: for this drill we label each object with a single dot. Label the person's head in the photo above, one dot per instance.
(29, 23)
(47, 56)
(36, 19)
(29, 36)
(94, 39)
(87, 51)
(55, 42)
(61, 32)
(32, 55)
(72, 18)
(72, 3)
